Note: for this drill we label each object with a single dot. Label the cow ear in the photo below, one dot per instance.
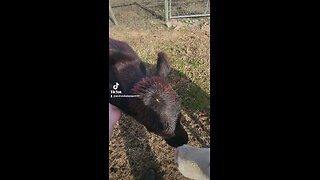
(163, 66)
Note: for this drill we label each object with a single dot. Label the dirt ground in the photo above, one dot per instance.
(132, 149)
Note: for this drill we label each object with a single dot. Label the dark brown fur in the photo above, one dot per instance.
(157, 107)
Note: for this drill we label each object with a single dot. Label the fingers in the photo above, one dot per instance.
(114, 113)
(113, 108)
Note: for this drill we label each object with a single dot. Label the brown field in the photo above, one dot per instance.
(132, 149)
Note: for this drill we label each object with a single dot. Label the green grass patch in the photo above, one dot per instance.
(197, 99)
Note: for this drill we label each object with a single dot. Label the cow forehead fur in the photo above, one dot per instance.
(158, 95)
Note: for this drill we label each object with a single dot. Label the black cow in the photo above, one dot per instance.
(154, 103)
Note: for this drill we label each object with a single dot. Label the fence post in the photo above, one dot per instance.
(113, 18)
(166, 10)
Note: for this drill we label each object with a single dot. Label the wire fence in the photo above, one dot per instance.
(169, 9)
(187, 8)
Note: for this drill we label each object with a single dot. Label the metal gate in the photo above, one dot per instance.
(175, 9)
(166, 9)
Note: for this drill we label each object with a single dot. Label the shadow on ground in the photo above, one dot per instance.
(139, 145)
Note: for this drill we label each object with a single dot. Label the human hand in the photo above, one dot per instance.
(114, 116)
